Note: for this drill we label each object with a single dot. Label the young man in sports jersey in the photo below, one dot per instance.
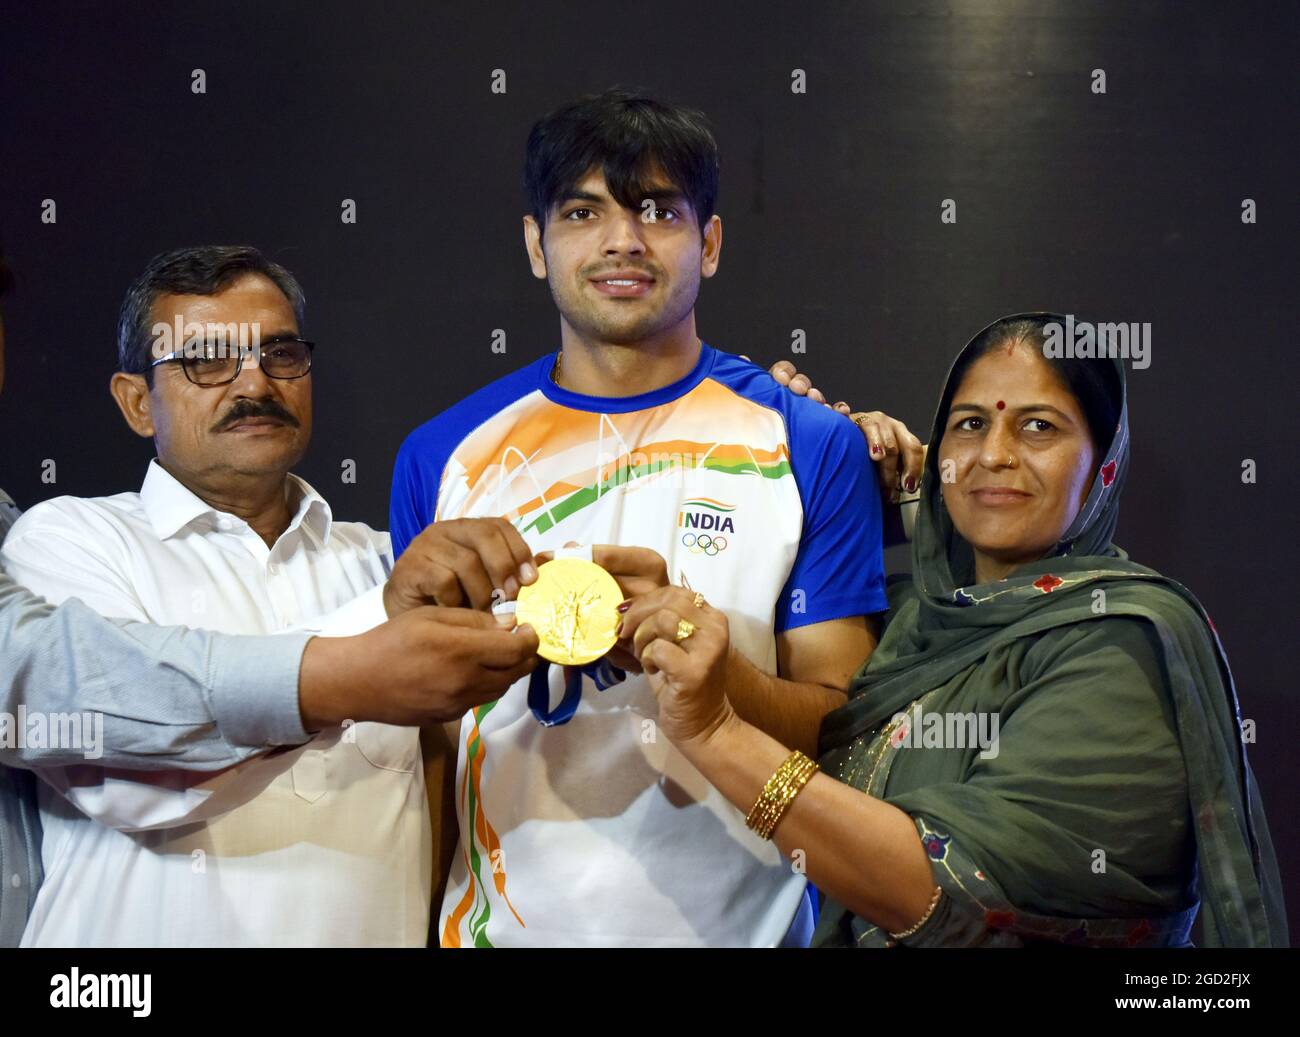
(678, 464)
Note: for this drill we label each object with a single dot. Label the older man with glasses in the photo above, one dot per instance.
(324, 844)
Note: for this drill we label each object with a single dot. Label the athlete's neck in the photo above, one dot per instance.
(595, 368)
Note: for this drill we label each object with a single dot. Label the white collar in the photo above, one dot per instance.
(170, 506)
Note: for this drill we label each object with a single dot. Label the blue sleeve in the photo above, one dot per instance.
(839, 570)
(423, 457)
(412, 504)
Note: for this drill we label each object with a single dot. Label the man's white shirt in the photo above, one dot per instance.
(327, 844)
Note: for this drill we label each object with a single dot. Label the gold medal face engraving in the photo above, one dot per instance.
(572, 606)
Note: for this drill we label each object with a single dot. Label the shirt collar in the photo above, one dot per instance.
(625, 404)
(171, 507)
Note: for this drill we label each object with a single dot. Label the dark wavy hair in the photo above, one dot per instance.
(625, 134)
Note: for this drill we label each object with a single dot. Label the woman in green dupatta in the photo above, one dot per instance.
(1113, 796)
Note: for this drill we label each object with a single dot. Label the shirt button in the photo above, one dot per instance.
(16, 881)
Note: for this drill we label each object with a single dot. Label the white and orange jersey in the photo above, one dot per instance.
(579, 823)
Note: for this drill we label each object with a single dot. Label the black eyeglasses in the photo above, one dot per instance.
(220, 363)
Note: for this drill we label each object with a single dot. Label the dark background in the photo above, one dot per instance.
(1124, 206)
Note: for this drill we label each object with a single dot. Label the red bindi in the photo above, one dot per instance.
(1001, 405)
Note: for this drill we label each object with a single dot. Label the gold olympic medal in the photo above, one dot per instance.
(572, 606)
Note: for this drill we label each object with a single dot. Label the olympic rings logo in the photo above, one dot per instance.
(704, 543)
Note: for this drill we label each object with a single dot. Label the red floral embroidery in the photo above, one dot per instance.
(1047, 583)
(999, 919)
(1108, 473)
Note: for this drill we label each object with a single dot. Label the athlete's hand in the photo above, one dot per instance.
(689, 674)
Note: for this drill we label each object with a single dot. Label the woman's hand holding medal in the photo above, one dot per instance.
(684, 645)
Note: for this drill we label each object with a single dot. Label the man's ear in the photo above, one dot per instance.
(712, 251)
(533, 245)
(131, 394)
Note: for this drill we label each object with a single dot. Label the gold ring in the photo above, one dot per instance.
(699, 600)
(685, 628)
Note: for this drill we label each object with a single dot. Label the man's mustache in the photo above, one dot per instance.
(245, 409)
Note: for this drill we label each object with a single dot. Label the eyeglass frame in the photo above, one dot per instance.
(179, 355)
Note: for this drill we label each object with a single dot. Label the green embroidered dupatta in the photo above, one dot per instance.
(949, 643)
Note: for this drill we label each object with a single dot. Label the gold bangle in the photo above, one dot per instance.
(772, 800)
(779, 793)
(934, 902)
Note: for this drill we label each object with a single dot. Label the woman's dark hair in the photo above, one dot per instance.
(625, 135)
(1093, 382)
(200, 270)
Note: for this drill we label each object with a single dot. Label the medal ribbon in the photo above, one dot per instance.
(602, 672)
